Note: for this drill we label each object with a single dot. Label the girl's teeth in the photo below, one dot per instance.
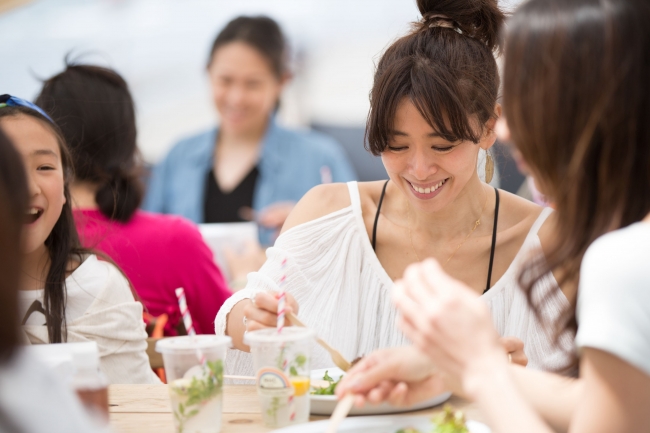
(33, 211)
(427, 190)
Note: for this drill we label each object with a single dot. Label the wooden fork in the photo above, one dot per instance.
(338, 359)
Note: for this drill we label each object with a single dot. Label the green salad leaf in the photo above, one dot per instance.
(450, 421)
(329, 390)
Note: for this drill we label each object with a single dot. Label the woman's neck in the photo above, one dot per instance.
(83, 195)
(237, 139)
(457, 218)
(36, 265)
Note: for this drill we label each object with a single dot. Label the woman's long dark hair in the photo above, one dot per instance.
(93, 107)
(577, 99)
(63, 242)
(13, 196)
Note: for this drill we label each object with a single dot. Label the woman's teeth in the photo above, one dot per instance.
(429, 189)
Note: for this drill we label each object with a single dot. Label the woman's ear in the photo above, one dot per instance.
(284, 80)
(490, 135)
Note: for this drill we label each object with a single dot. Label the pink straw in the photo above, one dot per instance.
(187, 320)
(185, 312)
(282, 299)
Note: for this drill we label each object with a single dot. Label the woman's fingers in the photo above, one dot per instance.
(264, 318)
(380, 392)
(514, 347)
(263, 312)
(409, 307)
(266, 301)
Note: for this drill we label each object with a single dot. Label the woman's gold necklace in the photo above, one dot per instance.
(476, 224)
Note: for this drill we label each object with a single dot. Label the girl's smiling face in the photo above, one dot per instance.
(430, 170)
(41, 154)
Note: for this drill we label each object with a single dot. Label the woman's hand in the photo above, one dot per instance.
(402, 376)
(240, 263)
(262, 311)
(274, 215)
(446, 320)
(514, 348)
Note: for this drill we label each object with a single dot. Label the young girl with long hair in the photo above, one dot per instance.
(25, 383)
(69, 294)
(577, 102)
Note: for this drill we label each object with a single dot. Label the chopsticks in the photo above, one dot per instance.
(339, 360)
(340, 412)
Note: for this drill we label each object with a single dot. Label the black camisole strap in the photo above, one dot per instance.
(374, 226)
(494, 240)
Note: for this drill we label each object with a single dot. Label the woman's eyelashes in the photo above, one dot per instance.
(439, 149)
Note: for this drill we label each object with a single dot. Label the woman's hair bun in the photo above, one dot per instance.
(480, 19)
(120, 196)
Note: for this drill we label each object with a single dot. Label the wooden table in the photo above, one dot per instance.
(146, 408)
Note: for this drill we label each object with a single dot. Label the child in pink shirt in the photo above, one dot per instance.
(158, 253)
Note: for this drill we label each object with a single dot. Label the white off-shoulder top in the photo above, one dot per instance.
(344, 293)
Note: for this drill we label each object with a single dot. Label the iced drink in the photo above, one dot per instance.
(281, 362)
(194, 371)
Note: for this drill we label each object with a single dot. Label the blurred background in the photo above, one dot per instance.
(161, 48)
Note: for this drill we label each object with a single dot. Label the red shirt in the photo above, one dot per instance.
(159, 253)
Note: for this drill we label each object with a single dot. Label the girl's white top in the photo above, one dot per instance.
(99, 307)
(614, 296)
(345, 294)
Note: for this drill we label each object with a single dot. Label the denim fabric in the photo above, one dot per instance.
(291, 163)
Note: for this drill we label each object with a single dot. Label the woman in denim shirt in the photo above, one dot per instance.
(249, 162)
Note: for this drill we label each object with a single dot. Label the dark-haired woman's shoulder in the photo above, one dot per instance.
(319, 201)
(325, 199)
(517, 211)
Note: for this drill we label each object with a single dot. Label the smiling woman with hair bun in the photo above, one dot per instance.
(433, 106)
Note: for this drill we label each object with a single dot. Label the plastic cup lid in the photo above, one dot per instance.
(271, 335)
(192, 342)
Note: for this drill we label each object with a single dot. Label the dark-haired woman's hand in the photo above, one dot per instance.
(447, 320)
(262, 311)
(402, 376)
(274, 216)
(514, 348)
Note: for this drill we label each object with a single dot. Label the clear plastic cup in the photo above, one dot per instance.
(281, 362)
(194, 370)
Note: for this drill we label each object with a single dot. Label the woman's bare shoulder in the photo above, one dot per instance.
(325, 199)
(370, 193)
(517, 212)
(319, 201)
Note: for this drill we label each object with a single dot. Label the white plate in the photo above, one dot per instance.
(377, 424)
(325, 404)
